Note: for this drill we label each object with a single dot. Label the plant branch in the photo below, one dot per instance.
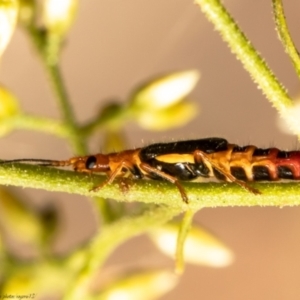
(110, 237)
(251, 60)
(285, 36)
(200, 194)
(66, 109)
(48, 49)
(43, 124)
(182, 235)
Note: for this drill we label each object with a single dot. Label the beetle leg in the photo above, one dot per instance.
(117, 172)
(201, 156)
(148, 169)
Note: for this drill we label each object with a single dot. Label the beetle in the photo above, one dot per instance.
(186, 161)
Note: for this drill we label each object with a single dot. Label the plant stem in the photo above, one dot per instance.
(182, 235)
(48, 50)
(200, 194)
(251, 60)
(110, 238)
(285, 36)
(65, 107)
(47, 125)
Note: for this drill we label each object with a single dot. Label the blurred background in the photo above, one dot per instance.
(115, 45)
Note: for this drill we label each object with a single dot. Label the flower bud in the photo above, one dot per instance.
(147, 286)
(8, 108)
(58, 16)
(8, 103)
(289, 121)
(201, 247)
(165, 91)
(161, 104)
(8, 20)
(170, 117)
(17, 221)
(27, 11)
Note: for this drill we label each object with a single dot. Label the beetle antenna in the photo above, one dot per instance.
(39, 162)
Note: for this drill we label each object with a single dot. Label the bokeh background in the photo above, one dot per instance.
(112, 47)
